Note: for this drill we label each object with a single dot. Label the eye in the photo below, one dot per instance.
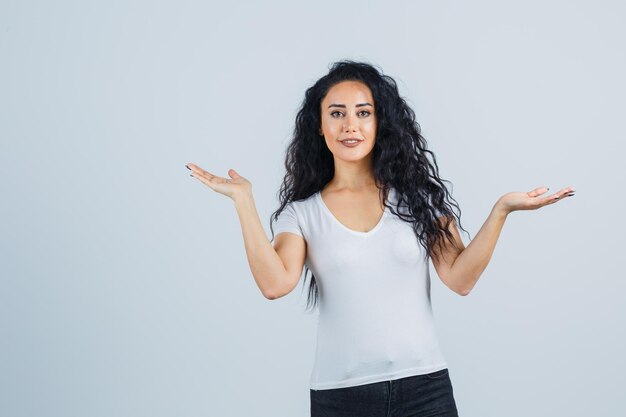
(333, 113)
(365, 111)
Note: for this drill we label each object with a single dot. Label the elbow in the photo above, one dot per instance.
(279, 290)
(457, 289)
(463, 292)
(462, 288)
(272, 295)
(269, 295)
(460, 291)
(268, 289)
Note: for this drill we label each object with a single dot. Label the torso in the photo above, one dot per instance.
(360, 211)
(375, 318)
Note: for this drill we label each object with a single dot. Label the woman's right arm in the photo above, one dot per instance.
(276, 270)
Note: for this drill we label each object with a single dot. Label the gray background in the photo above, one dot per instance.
(125, 288)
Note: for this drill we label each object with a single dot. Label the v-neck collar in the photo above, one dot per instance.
(343, 226)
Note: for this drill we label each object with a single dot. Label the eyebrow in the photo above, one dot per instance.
(344, 106)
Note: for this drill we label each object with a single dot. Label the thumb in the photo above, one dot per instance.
(538, 191)
(233, 174)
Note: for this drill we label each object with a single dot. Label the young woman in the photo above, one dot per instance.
(363, 209)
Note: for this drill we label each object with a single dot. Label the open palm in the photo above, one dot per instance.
(232, 187)
(532, 200)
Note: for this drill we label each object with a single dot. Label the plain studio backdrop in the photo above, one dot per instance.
(125, 288)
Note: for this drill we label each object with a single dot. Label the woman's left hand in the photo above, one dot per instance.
(531, 200)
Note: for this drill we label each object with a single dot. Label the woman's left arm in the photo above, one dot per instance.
(460, 269)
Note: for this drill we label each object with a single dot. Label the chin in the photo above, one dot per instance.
(352, 158)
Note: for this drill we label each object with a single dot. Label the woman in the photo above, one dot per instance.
(363, 209)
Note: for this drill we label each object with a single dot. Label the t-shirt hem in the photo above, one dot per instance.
(370, 379)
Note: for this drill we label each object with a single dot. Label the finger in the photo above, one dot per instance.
(537, 191)
(565, 192)
(196, 168)
(200, 172)
(233, 174)
(210, 182)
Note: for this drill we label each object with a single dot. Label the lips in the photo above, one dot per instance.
(351, 144)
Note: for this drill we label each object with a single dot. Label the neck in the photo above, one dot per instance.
(353, 176)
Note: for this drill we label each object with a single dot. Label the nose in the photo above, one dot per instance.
(350, 124)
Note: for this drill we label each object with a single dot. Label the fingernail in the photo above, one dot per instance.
(188, 167)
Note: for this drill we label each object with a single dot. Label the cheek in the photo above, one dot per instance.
(328, 125)
(371, 127)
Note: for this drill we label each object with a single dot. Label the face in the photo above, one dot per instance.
(348, 112)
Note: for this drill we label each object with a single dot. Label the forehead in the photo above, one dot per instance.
(349, 92)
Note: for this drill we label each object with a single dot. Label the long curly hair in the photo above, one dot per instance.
(400, 160)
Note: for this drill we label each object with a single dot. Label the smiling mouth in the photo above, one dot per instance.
(351, 143)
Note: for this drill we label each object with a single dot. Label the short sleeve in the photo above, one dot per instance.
(288, 221)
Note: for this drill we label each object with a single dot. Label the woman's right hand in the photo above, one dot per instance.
(233, 187)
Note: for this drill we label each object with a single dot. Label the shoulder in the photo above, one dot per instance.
(300, 215)
(303, 208)
(304, 203)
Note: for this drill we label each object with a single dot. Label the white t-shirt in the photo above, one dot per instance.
(375, 318)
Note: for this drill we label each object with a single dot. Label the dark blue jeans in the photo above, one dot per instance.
(428, 395)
